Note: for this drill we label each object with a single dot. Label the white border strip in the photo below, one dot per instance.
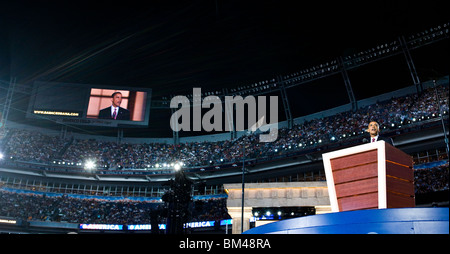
(382, 195)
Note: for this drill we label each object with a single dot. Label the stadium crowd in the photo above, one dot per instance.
(39, 207)
(431, 179)
(25, 145)
(34, 146)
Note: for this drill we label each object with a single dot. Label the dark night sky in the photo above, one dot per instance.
(172, 46)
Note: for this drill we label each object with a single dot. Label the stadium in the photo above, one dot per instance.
(64, 168)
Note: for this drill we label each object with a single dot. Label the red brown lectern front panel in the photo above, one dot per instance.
(369, 176)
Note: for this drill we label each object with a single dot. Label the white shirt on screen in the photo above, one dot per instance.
(112, 110)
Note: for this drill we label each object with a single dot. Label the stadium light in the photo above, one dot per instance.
(177, 166)
(1, 155)
(89, 165)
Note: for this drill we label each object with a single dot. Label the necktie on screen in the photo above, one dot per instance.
(373, 140)
(114, 114)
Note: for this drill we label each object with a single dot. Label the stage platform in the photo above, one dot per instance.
(376, 221)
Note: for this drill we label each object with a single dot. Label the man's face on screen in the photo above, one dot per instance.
(117, 100)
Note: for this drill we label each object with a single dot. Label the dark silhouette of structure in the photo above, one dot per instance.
(178, 202)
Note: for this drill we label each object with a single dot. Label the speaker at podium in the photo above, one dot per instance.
(362, 181)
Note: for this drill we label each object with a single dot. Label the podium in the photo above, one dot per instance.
(369, 176)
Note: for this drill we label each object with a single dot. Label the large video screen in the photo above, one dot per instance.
(90, 104)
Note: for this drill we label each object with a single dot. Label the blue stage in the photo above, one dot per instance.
(377, 221)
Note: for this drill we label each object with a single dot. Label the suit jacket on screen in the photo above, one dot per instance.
(123, 114)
